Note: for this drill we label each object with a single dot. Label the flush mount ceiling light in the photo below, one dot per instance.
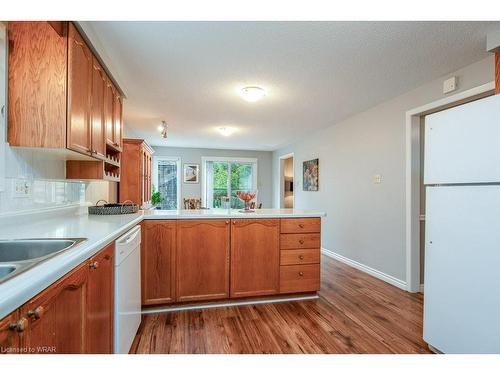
(163, 129)
(226, 131)
(252, 93)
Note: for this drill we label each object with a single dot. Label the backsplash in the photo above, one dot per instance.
(35, 179)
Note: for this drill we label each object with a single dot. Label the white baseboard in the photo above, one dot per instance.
(371, 271)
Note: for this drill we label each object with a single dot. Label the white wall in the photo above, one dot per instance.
(194, 155)
(366, 221)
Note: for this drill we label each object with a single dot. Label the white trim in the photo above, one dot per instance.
(204, 159)
(281, 181)
(412, 195)
(421, 288)
(228, 304)
(370, 271)
(177, 159)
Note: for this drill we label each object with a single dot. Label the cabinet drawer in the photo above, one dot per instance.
(301, 225)
(299, 256)
(300, 241)
(301, 278)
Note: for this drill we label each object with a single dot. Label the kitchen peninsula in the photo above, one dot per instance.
(186, 256)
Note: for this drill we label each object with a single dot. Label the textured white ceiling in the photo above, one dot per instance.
(316, 73)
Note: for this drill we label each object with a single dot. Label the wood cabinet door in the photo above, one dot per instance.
(100, 301)
(57, 316)
(255, 257)
(109, 99)
(202, 264)
(9, 333)
(79, 92)
(158, 261)
(98, 140)
(37, 85)
(117, 119)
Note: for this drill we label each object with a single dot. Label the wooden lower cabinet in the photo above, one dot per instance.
(9, 333)
(100, 301)
(158, 261)
(73, 315)
(255, 257)
(202, 264)
(57, 316)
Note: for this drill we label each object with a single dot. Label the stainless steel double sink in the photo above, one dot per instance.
(17, 256)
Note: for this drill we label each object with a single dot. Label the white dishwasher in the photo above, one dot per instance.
(127, 289)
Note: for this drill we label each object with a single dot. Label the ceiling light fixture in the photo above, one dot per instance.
(252, 93)
(225, 131)
(163, 129)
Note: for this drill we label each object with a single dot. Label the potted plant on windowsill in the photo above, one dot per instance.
(155, 199)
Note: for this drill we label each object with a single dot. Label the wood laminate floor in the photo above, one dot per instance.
(356, 313)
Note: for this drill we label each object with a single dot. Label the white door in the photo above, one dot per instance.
(462, 144)
(462, 269)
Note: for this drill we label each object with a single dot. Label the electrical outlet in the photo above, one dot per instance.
(377, 179)
(21, 188)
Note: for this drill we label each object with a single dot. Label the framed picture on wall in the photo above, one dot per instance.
(310, 175)
(191, 173)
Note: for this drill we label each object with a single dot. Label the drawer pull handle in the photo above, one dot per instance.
(301, 225)
(301, 242)
(301, 257)
(301, 273)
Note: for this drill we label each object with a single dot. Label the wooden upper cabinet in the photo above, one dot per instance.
(10, 329)
(100, 302)
(117, 120)
(99, 81)
(158, 251)
(109, 100)
(255, 257)
(57, 316)
(135, 180)
(202, 262)
(37, 88)
(80, 62)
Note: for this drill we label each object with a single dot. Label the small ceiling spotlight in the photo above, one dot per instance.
(252, 93)
(163, 129)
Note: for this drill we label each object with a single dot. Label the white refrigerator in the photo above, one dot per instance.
(462, 233)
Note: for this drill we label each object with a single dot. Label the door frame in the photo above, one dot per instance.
(281, 199)
(412, 195)
(177, 159)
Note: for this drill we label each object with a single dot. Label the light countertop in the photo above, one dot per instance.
(99, 231)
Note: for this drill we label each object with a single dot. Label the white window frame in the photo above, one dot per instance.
(204, 159)
(156, 160)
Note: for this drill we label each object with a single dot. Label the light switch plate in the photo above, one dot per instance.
(21, 188)
(377, 179)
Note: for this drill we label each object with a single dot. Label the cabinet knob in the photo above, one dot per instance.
(301, 225)
(234, 221)
(227, 221)
(301, 257)
(301, 242)
(94, 265)
(19, 326)
(301, 273)
(35, 314)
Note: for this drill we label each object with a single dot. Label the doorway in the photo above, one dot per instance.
(287, 176)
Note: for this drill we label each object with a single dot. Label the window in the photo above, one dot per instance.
(224, 177)
(166, 177)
